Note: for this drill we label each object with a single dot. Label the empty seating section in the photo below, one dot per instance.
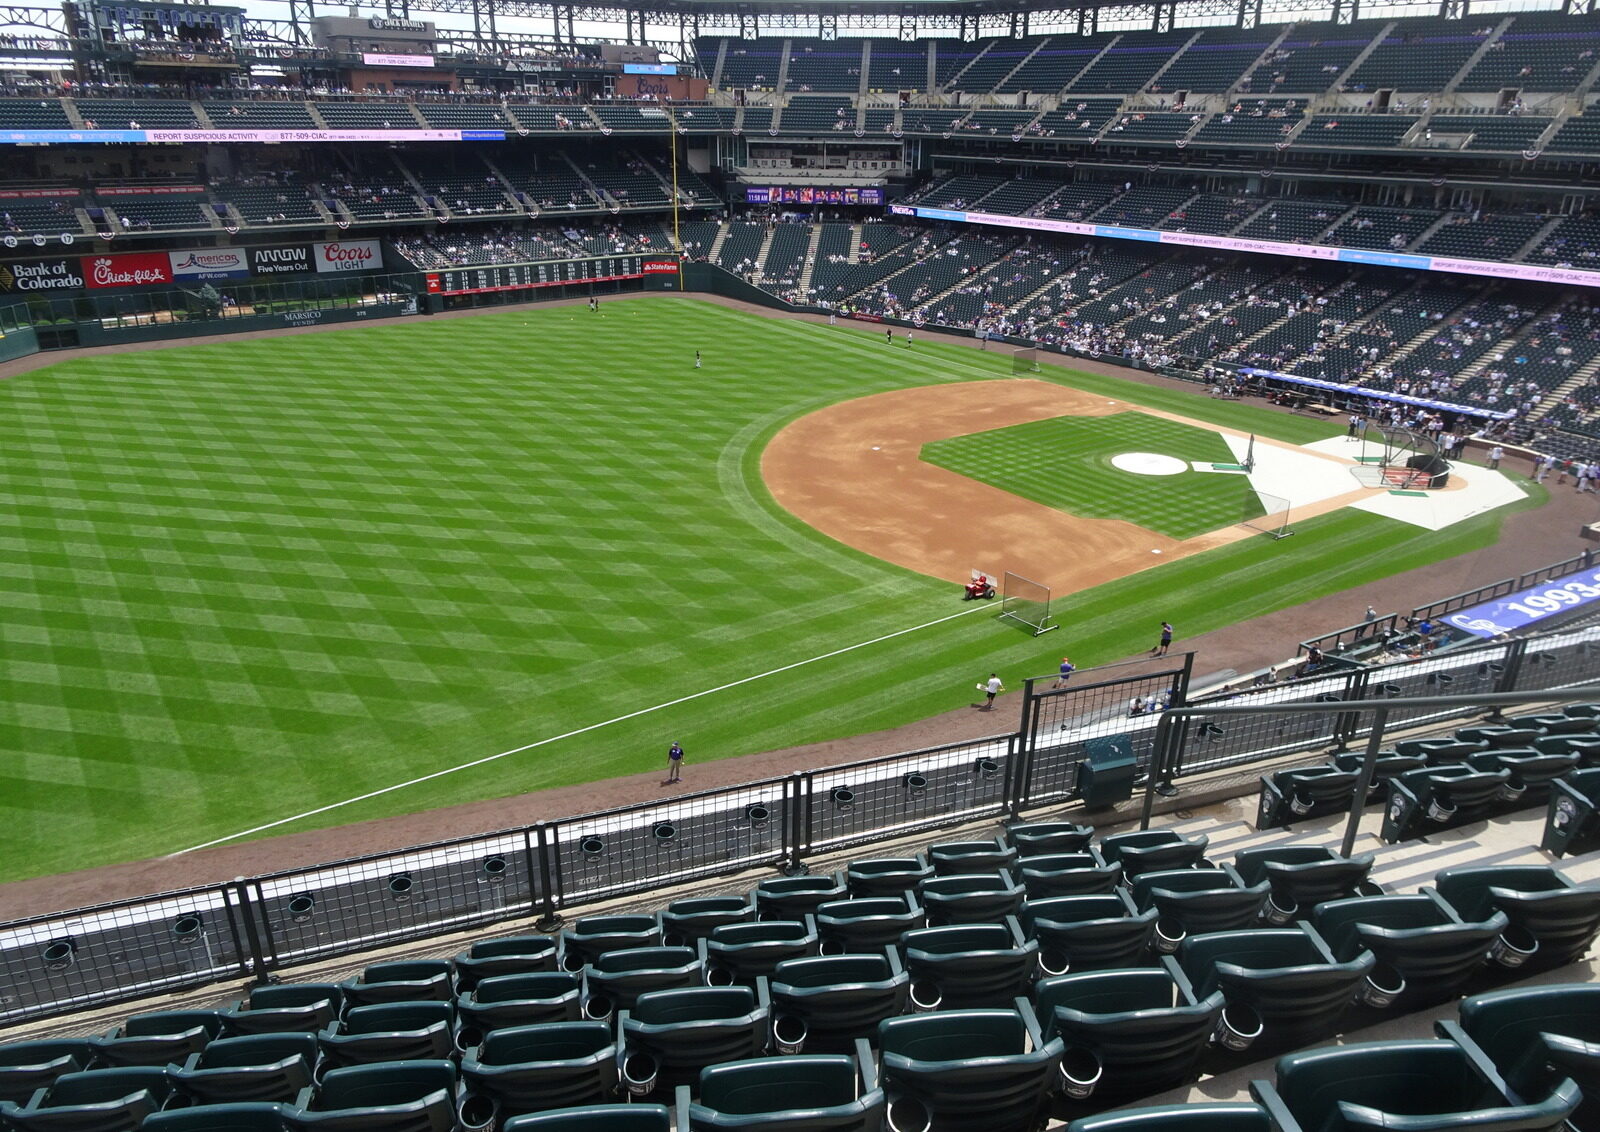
(1418, 56)
(36, 114)
(464, 116)
(1537, 53)
(1307, 62)
(832, 65)
(151, 213)
(880, 120)
(632, 186)
(367, 115)
(756, 120)
(262, 115)
(1578, 134)
(1211, 214)
(751, 64)
(1388, 229)
(1215, 62)
(630, 118)
(1483, 237)
(23, 216)
(1253, 122)
(1492, 131)
(469, 196)
(1143, 206)
(1150, 127)
(271, 204)
(1355, 131)
(951, 58)
(962, 191)
(897, 66)
(1078, 119)
(137, 114)
(548, 185)
(1018, 196)
(703, 119)
(1002, 57)
(814, 115)
(1126, 66)
(1077, 201)
(998, 122)
(548, 118)
(1054, 65)
(1293, 221)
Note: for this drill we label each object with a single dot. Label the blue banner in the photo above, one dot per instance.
(1528, 607)
(1376, 394)
(58, 137)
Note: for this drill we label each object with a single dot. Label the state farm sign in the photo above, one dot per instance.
(132, 270)
(351, 255)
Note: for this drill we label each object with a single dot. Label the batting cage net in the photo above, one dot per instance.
(1268, 514)
(1024, 359)
(1026, 602)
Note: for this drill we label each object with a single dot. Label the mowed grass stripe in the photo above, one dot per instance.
(244, 579)
(1065, 463)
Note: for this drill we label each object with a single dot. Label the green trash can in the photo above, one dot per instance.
(1106, 776)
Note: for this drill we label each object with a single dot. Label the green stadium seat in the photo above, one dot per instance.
(1439, 797)
(669, 1036)
(514, 955)
(965, 966)
(1571, 824)
(253, 1067)
(1143, 1030)
(1532, 771)
(957, 858)
(1038, 839)
(1536, 1036)
(1499, 735)
(887, 876)
(1387, 765)
(1089, 933)
(838, 1094)
(1556, 723)
(396, 1096)
(243, 1116)
(1200, 1117)
(534, 1068)
(972, 898)
(1415, 1086)
(164, 1038)
(1420, 938)
(27, 1067)
(287, 1007)
(1069, 874)
(743, 953)
(595, 1118)
(1586, 746)
(1553, 921)
(791, 898)
(1288, 796)
(596, 935)
(1152, 850)
(517, 1000)
(1286, 976)
(100, 1100)
(1436, 752)
(970, 1070)
(1301, 877)
(404, 980)
(866, 923)
(390, 1031)
(616, 979)
(836, 999)
(1191, 901)
(689, 921)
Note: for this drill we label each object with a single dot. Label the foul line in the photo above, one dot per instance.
(569, 734)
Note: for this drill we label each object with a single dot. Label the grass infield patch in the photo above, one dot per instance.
(1065, 463)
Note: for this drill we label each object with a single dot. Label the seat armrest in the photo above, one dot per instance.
(1277, 1112)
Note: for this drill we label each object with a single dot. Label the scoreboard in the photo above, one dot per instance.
(555, 273)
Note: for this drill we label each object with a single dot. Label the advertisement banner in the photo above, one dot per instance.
(40, 275)
(1526, 607)
(222, 137)
(131, 270)
(809, 194)
(209, 263)
(350, 255)
(375, 59)
(660, 267)
(292, 260)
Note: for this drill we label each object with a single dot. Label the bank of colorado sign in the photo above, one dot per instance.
(41, 275)
(144, 269)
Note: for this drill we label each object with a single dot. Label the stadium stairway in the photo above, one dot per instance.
(1472, 61)
(760, 274)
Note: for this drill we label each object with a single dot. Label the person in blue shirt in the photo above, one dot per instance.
(1067, 669)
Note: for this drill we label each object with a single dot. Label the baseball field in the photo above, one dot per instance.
(246, 580)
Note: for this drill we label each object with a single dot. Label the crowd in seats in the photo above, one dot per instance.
(1382, 229)
(46, 215)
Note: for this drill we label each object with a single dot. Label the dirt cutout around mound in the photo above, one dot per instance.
(854, 472)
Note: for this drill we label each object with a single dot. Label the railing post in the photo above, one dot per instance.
(1011, 803)
(1369, 766)
(1165, 729)
(797, 818)
(1512, 676)
(548, 878)
(259, 967)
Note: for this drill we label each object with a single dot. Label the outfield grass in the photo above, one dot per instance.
(1065, 463)
(244, 579)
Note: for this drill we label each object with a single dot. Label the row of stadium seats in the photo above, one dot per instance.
(1155, 964)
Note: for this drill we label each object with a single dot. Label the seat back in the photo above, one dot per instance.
(532, 1068)
(887, 876)
(1036, 839)
(243, 1116)
(972, 898)
(685, 921)
(1507, 1024)
(1178, 1118)
(595, 1118)
(514, 955)
(1563, 919)
(954, 858)
(970, 1069)
(26, 1067)
(396, 1096)
(969, 965)
(1068, 874)
(839, 998)
(806, 1093)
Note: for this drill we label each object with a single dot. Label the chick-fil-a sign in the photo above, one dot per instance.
(132, 269)
(351, 255)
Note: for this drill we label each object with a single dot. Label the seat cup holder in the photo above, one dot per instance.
(719, 977)
(1510, 792)
(1080, 1073)
(1168, 936)
(1301, 806)
(1381, 987)
(788, 1034)
(598, 1007)
(571, 962)
(467, 1037)
(1278, 914)
(831, 947)
(907, 1114)
(1440, 810)
(1515, 947)
(1369, 888)
(639, 1070)
(1238, 1027)
(478, 1112)
(925, 996)
(59, 954)
(1053, 961)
